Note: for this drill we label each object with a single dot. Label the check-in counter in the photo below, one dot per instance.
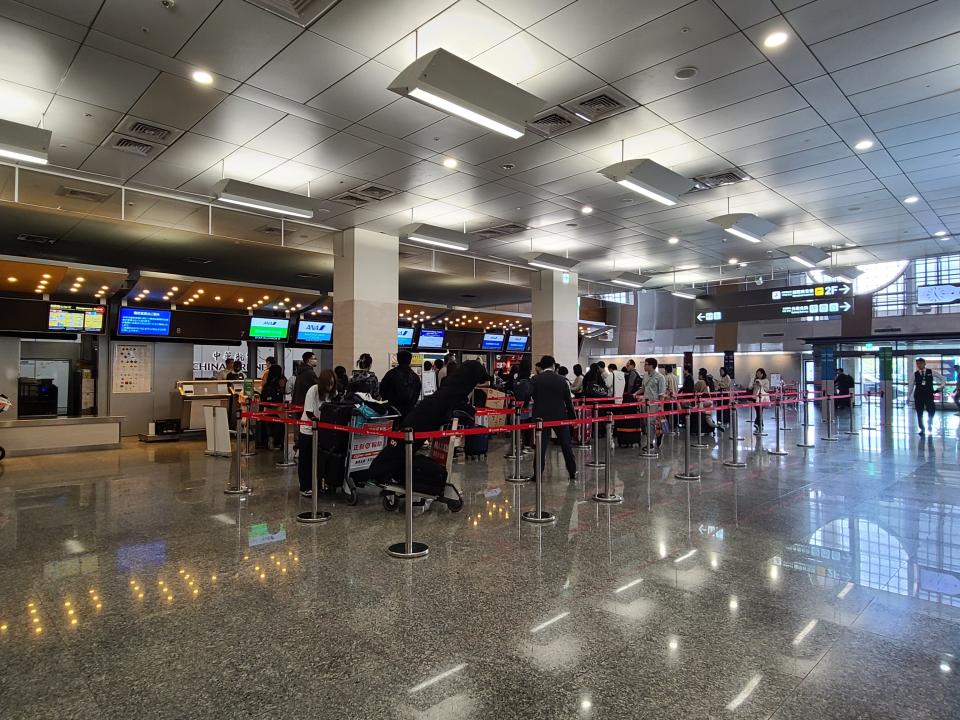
(46, 436)
(195, 395)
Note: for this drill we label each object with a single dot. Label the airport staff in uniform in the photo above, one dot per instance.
(552, 401)
(924, 387)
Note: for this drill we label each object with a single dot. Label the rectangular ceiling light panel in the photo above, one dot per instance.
(435, 236)
(257, 197)
(545, 261)
(24, 142)
(448, 83)
(649, 179)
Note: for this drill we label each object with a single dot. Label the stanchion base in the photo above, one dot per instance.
(532, 516)
(285, 464)
(851, 432)
(738, 464)
(596, 465)
(699, 446)
(399, 550)
(309, 518)
(776, 452)
(806, 445)
(242, 490)
(517, 480)
(604, 498)
(510, 456)
(582, 447)
(649, 454)
(830, 439)
(687, 476)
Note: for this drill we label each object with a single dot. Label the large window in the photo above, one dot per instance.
(900, 297)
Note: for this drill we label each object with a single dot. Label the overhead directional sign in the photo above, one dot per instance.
(790, 294)
(811, 308)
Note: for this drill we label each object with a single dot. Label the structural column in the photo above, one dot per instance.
(556, 314)
(366, 268)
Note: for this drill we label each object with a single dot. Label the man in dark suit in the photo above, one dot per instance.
(552, 401)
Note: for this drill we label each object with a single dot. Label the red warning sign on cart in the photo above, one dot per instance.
(364, 448)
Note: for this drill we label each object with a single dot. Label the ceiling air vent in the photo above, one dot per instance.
(274, 231)
(352, 198)
(715, 180)
(36, 239)
(374, 191)
(555, 121)
(134, 147)
(78, 194)
(197, 260)
(302, 12)
(498, 231)
(600, 104)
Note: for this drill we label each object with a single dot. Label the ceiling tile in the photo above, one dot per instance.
(197, 151)
(923, 87)
(79, 11)
(245, 164)
(825, 97)
(373, 26)
(171, 100)
(106, 80)
(419, 173)
(238, 39)
(402, 117)
(451, 185)
(916, 112)
(465, 29)
(32, 57)
(78, 121)
(587, 23)
(528, 12)
(793, 59)
(759, 132)
(529, 157)
(573, 165)
(490, 146)
(327, 61)
(519, 58)
(448, 133)
(290, 137)
(817, 21)
(901, 65)
(332, 184)
(151, 24)
(744, 113)
(165, 175)
(237, 121)
(289, 176)
(748, 12)
(723, 92)
(378, 163)
(626, 124)
(561, 83)
(69, 152)
(113, 163)
(361, 93)
(337, 151)
(22, 104)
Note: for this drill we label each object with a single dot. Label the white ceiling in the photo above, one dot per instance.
(293, 107)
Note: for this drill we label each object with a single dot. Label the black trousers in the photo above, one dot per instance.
(305, 461)
(563, 437)
(920, 404)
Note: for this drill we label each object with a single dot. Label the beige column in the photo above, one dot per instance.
(555, 316)
(365, 295)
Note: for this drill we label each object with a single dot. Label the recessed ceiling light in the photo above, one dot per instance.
(38, 290)
(586, 209)
(200, 291)
(732, 261)
(685, 73)
(863, 145)
(508, 166)
(266, 297)
(42, 283)
(673, 240)
(202, 77)
(216, 297)
(46, 276)
(73, 289)
(910, 200)
(743, 264)
(775, 39)
(104, 287)
(239, 300)
(174, 288)
(450, 163)
(938, 233)
(11, 279)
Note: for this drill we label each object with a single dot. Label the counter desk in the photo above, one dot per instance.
(43, 436)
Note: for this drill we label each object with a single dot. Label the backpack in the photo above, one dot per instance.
(523, 390)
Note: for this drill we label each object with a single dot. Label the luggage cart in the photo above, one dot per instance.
(361, 450)
(441, 451)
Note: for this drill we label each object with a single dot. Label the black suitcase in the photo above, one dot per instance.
(626, 432)
(429, 476)
(476, 446)
(336, 414)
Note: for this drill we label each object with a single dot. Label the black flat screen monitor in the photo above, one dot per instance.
(143, 322)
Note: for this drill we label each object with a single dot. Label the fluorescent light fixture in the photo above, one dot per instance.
(435, 236)
(685, 296)
(545, 261)
(583, 117)
(845, 273)
(845, 591)
(807, 255)
(437, 678)
(940, 233)
(631, 280)
(549, 622)
(649, 179)
(802, 635)
(689, 553)
(257, 197)
(732, 261)
(744, 225)
(446, 82)
(624, 588)
(747, 691)
(863, 145)
(24, 142)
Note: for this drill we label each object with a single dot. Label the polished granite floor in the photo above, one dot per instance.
(823, 584)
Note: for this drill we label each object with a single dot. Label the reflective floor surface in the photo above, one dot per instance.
(822, 584)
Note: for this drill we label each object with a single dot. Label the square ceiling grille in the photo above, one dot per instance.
(498, 231)
(600, 104)
(302, 12)
(555, 121)
(719, 179)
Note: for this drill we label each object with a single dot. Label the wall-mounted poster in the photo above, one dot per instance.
(132, 369)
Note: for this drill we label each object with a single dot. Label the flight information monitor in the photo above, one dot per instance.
(311, 331)
(76, 318)
(431, 339)
(492, 341)
(404, 337)
(262, 328)
(517, 343)
(145, 322)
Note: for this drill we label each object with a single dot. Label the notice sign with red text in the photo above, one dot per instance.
(364, 448)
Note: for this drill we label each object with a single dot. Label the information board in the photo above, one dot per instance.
(517, 343)
(132, 369)
(404, 337)
(311, 331)
(76, 318)
(431, 339)
(492, 341)
(776, 296)
(143, 322)
(772, 312)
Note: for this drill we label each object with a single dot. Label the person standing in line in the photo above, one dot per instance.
(617, 382)
(761, 393)
(924, 388)
(577, 385)
(670, 378)
(305, 379)
(400, 386)
(364, 380)
(607, 377)
(270, 434)
(723, 386)
(565, 374)
(438, 366)
(654, 390)
(632, 383)
(552, 401)
(324, 390)
(842, 385)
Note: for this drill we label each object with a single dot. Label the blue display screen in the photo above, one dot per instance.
(517, 343)
(431, 339)
(141, 321)
(404, 337)
(314, 332)
(492, 341)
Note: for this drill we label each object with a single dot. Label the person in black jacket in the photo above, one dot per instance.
(552, 401)
(842, 385)
(431, 413)
(305, 379)
(924, 387)
(401, 386)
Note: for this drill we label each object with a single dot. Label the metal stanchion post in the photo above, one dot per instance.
(315, 515)
(515, 440)
(699, 444)
(538, 515)
(734, 460)
(869, 425)
(607, 496)
(583, 412)
(687, 474)
(239, 488)
(805, 425)
(595, 461)
(408, 549)
(851, 431)
(515, 455)
(649, 450)
(248, 431)
(778, 450)
(831, 410)
(287, 461)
